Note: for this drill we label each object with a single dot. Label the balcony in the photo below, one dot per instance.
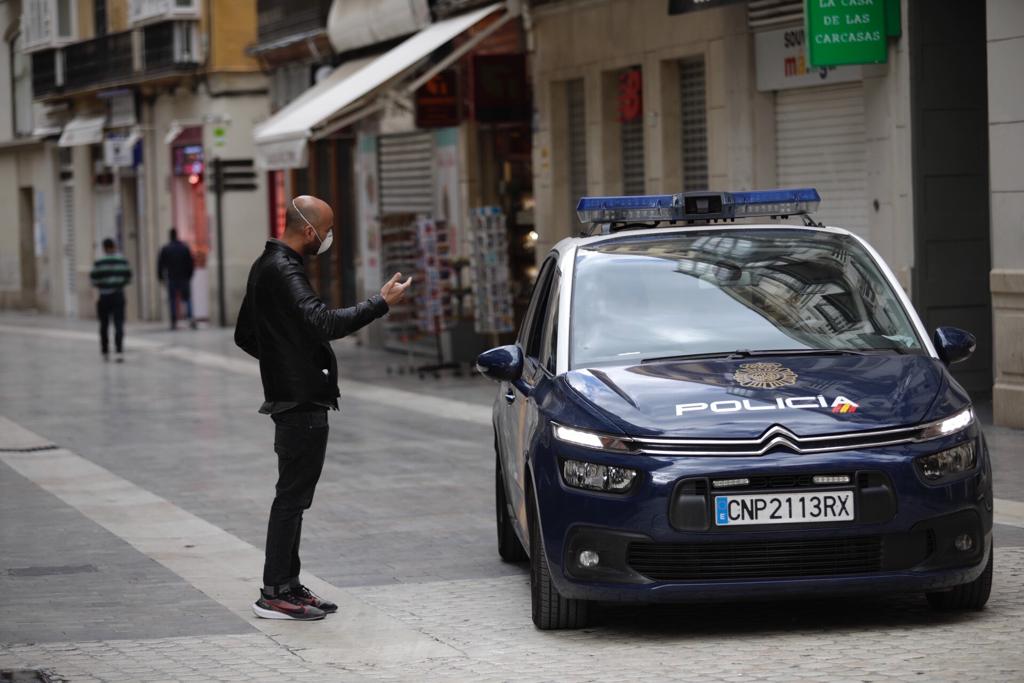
(170, 46)
(280, 20)
(100, 61)
(141, 12)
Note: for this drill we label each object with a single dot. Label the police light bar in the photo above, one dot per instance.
(698, 206)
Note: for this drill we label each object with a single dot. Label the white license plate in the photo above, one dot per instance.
(784, 508)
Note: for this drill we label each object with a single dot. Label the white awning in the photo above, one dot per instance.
(353, 24)
(279, 137)
(82, 130)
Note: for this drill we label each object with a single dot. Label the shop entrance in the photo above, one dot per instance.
(949, 114)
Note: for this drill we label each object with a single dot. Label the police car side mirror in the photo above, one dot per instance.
(502, 364)
(953, 344)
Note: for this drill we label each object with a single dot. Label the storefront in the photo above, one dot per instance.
(433, 131)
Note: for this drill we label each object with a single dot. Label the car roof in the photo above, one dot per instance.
(568, 243)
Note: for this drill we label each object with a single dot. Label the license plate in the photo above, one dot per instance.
(784, 508)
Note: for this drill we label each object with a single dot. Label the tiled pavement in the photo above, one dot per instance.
(404, 532)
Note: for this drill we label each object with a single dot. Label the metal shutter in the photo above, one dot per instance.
(695, 126)
(820, 140)
(762, 14)
(407, 173)
(633, 156)
(67, 219)
(577, 144)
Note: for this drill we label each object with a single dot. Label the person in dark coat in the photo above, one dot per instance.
(285, 325)
(174, 267)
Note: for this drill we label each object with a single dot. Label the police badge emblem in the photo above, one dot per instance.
(764, 376)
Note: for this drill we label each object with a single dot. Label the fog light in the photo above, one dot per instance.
(964, 542)
(589, 559)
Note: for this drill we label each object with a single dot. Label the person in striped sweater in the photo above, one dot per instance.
(110, 274)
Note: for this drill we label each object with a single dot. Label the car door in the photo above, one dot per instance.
(524, 391)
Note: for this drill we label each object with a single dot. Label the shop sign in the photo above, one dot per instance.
(846, 32)
(782, 63)
(684, 6)
(437, 102)
(500, 90)
(631, 100)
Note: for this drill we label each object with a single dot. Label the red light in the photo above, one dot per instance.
(193, 179)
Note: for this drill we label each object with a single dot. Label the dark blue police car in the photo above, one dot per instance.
(702, 409)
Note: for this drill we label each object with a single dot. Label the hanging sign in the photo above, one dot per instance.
(437, 102)
(846, 32)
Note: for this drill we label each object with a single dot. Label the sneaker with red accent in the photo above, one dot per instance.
(313, 600)
(286, 605)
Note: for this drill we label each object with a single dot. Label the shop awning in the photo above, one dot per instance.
(82, 130)
(281, 139)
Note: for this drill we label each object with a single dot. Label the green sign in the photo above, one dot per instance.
(846, 32)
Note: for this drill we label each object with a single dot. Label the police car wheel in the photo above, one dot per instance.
(551, 611)
(968, 596)
(509, 547)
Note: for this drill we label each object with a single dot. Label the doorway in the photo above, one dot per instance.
(949, 116)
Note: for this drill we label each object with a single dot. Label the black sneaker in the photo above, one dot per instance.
(286, 606)
(310, 598)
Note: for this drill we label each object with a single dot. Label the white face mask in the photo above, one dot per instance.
(326, 242)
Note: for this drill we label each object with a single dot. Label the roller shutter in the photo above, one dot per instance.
(820, 142)
(407, 173)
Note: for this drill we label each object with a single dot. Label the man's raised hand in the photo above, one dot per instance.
(393, 291)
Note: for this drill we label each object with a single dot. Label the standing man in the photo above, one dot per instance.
(288, 328)
(110, 274)
(174, 267)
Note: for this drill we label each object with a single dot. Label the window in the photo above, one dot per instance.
(703, 292)
(99, 14)
(21, 88)
(549, 345)
(530, 333)
(65, 20)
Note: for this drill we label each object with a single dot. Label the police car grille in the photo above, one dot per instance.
(777, 439)
(758, 559)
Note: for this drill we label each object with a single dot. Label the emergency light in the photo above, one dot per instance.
(698, 206)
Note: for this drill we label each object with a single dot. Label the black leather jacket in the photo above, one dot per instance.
(287, 327)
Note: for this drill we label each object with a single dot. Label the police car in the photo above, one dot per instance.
(699, 407)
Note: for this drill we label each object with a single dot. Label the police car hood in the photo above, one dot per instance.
(741, 398)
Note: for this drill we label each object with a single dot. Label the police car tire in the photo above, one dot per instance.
(968, 596)
(509, 547)
(551, 611)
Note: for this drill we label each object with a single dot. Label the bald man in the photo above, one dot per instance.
(285, 325)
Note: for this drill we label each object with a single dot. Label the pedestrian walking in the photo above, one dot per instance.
(285, 325)
(110, 275)
(174, 267)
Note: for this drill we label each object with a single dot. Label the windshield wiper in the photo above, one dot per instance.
(747, 353)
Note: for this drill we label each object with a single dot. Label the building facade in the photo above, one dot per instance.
(645, 96)
(131, 100)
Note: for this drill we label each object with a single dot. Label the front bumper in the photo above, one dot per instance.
(659, 543)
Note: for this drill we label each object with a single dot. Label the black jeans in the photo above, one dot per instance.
(111, 307)
(300, 441)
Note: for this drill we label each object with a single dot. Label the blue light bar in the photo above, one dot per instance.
(698, 206)
(651, 207)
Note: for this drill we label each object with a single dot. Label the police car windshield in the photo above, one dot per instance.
(661, 296)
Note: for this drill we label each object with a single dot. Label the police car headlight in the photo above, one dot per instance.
(602, 442)
(594, 477)
(948, 463)
(950, 425)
